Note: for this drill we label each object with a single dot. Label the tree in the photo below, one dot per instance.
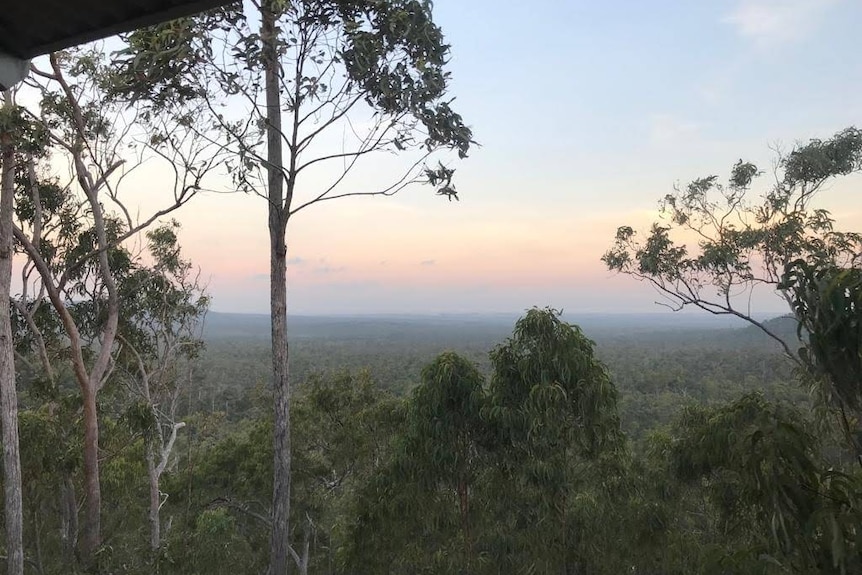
(446, 431)
(325, 65)
(13, 510)
(492, 479)
(418, 510)
(554, 409)
(342, 428)
(827, 301)
(160, 338)
(777, 502)
(744, 243)
(73, 244)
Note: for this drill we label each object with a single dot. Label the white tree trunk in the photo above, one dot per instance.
(8, 393)
(154, 474)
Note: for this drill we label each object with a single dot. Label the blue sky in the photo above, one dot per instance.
(587, 113)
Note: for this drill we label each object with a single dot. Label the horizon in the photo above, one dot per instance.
(592, 322)
(688, 314)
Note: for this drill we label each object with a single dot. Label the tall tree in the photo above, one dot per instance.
(8, 394)
(490, 480)
(371, 74)
(554, 409)
(420, 508)
(73, 244)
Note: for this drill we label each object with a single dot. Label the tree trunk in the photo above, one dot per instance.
(306, 553)
(464, 509)
(68, 518)
(154, 473)
(91, 536)
(279, 554)
(155, 500)
(8, 394)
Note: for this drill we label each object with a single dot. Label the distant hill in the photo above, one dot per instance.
(457, 328)
(784, 327)
(379, 327)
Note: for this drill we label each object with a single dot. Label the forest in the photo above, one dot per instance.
(360, 388)
(398, 470)
(144, 432)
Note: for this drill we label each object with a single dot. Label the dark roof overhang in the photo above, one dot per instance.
(29, 28)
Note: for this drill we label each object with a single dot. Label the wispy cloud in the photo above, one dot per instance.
(771, 22)
(667, 129)
(296, 261)
(427, 262)
(327, 269)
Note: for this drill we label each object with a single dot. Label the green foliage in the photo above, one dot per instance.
(549, 390)
(827, 301)
(444, 417)
(768, 485)
(779, 500)
(378, 481)
(743, 243)
(333, 55)
(493, 480)
(820, 161)
(218, 546)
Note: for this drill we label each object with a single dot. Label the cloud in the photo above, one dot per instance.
(258, 277)
(296, 261)
(666, 129)
(327, 269)
(771, 22)
(427, 262)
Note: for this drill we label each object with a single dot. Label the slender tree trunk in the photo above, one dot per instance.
(464, 508)
(155, 500)
(68, 518)
(306, 553)
(90, 383)
(162, 451)
(8, 394)
(279, 554)
(91, 536)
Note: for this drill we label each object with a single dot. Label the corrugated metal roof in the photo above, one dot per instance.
(29, 28)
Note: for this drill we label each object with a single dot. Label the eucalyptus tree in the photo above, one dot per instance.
(445, 435)
(343, 427)
(779, 241)
(778, 506)
(420, 508)
(75, 247)
(553, 409)
(743, 242)
(827, 301)
(302, 93)
(13, 512)
(160, 336)
(489, 478)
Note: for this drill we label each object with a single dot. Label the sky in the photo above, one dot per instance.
(586, 113)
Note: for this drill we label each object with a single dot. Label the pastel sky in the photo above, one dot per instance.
(587, 113)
